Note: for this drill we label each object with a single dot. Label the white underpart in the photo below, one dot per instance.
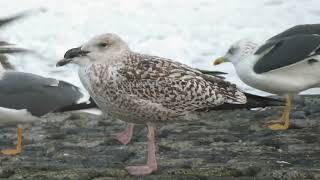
(1, 68)
(15, 117)
(82, 72)
(2, 71)
(290, 79)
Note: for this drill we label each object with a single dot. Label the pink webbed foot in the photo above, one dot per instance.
(140, 170)
(125, 136)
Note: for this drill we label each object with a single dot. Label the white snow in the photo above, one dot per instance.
(190, 31)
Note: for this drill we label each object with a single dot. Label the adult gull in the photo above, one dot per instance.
(24, 97)
(286, 64)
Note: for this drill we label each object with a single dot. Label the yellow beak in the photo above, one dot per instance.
(219, 61)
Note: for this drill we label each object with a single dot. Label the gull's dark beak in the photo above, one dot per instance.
(70, 54)
(63, 62)
(75, 52)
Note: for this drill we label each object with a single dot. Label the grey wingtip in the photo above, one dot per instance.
(10, 19)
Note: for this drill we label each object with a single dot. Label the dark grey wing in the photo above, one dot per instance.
(268, 46)
(306, 29)
(37, 94)
(287, 51)
(7, 47)
(8, 20)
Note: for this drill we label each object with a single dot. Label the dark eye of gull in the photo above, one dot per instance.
(103, 44)
(232, 50)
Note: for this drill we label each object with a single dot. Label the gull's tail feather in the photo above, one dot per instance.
(260, 101)
(253, 101)
(80, 106)
(213, 73)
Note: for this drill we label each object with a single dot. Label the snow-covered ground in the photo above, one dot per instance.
(190, 31)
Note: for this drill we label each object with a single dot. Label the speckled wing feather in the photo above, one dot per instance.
(174, 85)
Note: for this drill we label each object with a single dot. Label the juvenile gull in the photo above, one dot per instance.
(146, 89)
(286, 64)
(125, 136)
(24, 97)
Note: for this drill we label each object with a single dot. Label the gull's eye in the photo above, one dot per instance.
(103, 44)
(232, 50)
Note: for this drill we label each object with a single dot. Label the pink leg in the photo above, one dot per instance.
(125, 136)
(151, 162)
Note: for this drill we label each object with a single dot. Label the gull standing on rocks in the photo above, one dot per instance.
(145, 89)
(286, 64)
(24, 97)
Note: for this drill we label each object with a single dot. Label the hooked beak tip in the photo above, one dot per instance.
(70, 54)
(63, 62)
(75, 52)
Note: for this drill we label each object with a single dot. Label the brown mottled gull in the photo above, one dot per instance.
(146, 89)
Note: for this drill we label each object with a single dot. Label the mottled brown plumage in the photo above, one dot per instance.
(174, 85)
(146, 89)
(156, 89)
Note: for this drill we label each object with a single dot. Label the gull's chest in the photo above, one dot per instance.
(100, 79)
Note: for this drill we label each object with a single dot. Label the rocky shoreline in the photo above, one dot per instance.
(229, 145)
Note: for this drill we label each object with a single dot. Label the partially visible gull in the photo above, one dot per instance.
(10, 19)
(24, 97)
(144, 89)
(6, 48)
(286, 64)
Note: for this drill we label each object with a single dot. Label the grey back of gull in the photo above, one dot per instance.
(286, 51)
(298, 30)
(37, 94)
